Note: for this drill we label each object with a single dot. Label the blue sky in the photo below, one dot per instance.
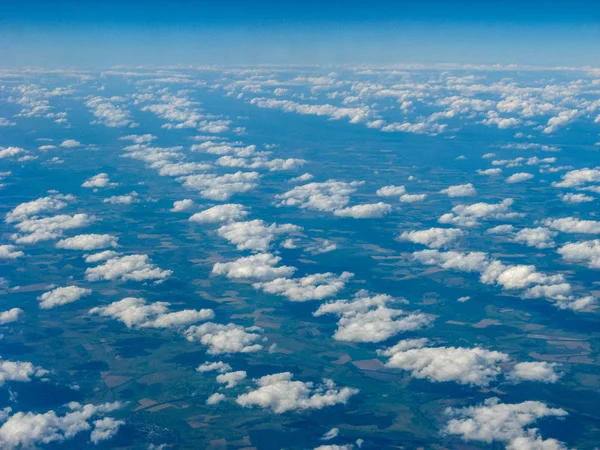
(246, 32)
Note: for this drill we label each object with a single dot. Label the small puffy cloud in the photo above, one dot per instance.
(102, 256)
(215, 399)
(579, 177)
(98, 181)
(460, 190)
(280, 393)
(10, 252)
(70, 143)
(221, 213)
(412, 198)
(466, 298)
(62, 296)
(26, 210)
(105, 429)
(22, 371)
(490, 172)
(231, 379)
(218, 366)
(539, 237)
(311, 287)
(501, 229)
(262, 266)
(368, 319)
(504, 422)
(254, 235)
(222, 187)
(222, 339)
(433, 237)
(586, 252)
(543, 372)
(48, 228)
(302, 178)
(125, 268)
(473, 366)
(575, 199)
(391, 191)
(326, 196)
(12, 315)
(365, 211)
(470, 215)
(519, 177)
(29, 430)
(182, 205)
(9, 152)
(123, 199)
(573, 225)
(136, 313)
(138, 138)
(88, 242)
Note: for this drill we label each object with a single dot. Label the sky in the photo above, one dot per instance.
(160, 32)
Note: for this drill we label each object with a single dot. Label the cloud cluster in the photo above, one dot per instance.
(262, 266)
(215, 187)
(222, 339)
(62, 296)
(88, 242)
(433, 237)
(460, 190)
(311, 287)
(280, 393)
(10, 252)
(585, 252)
(22, 371)
(48, 228)
(254, 235)
(470, 215)
(221, 213)
(98, 181)
(125, 268)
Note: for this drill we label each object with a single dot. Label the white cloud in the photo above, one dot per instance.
(88, 242)
(41, 205)
(302, 178)
(311, 287)
(579, 177)
(9, 152)
(473, 366)
(12, 315)
(49, 228)
(216, 398)
(460, 190)
(28, 430)
(575, 199)
(231, 379)
(136, 313)
(128, 199)
(222, 187)
(138, 138)
(220, 213)
(331, 434)
(254, 235)
(586, 252)
(326, 196)
(519, 177)
(21, 371)
(10, 252)
(70, 143)
(102, 256)
(433, 237)
(391, 191)
(490, 172)
(539, 237)
(262, 266)
(365, 211)
(228, 338)
(505, 422)
(125, 268)
(368, 319)
(105, 429)
(182, 205)
(98, 181)
(501, 229)
(573, 225)
(469, 215)
(412, 198)
(280, 393)
(62, 296)
(535, 371)
(218, 366)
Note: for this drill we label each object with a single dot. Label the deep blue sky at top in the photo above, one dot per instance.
(100, 33)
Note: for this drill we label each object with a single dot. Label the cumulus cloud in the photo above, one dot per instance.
(280, 393)
(585, 252)
(539, 237)
(331, 434)
(48, 228)
(128, 199)
(542, 371)
(504, 422)
(10, 252)
(302, 178)
(88, 242)
(368, 318)
(472, 366)
(575, 199)
(221, 213)
(105, 429)
(231, 379)
(62, 296)
(470, 215)
(101, 256)
(254, 235)
(573, 225)
(365, 211)
(9, 152)
(460, 190)
(215, 399)
(433, 237)
(182, 205)
(136, 313)
(22, 371)
(222, 187)
(70, 143)
(230, 338)
(218, 366)
(12, 315)
(412, 198)
(27, 430)
(391, 191)
(311, 287)
(262, 266)
(26, 210)
(98, 181)
(125, 268)
(326, 196)
(519, 177)
(579, 177)
(490, 172)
